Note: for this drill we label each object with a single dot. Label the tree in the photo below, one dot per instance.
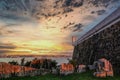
(13, 62)
(74, 63)
(36, 63)
(22, 61)
(45, 64)
(53, 64)
(27, 63)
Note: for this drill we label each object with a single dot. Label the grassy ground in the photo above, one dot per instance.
(75, 76)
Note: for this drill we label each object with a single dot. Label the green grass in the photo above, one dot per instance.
(75, 76)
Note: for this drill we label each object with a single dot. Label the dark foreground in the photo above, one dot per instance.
(75, 76)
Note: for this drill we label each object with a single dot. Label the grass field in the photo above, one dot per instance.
(75, 76)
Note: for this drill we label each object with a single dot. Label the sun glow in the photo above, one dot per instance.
(41, 47)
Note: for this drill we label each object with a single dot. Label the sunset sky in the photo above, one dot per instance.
(45, 27)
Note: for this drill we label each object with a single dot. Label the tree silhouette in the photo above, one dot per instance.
(13, 62)
(27, 63)
(22, 61)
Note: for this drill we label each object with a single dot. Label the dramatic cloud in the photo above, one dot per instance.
(7, 46)
(47, 26)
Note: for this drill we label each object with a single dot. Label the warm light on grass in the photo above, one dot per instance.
(75, 76)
